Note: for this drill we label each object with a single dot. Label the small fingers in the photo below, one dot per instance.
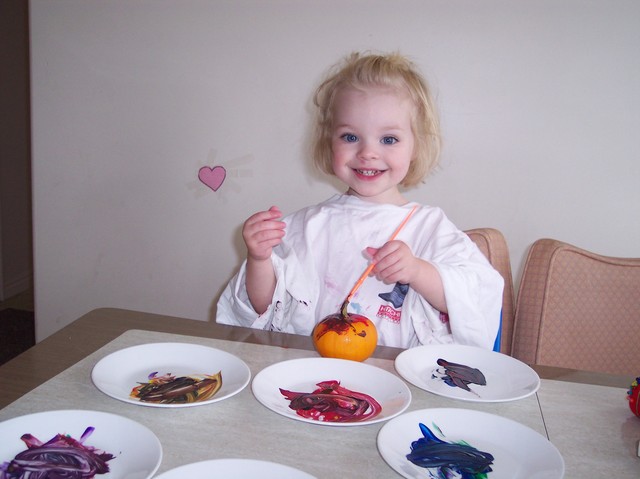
(392, 262)
(262, 231)
(270, 214)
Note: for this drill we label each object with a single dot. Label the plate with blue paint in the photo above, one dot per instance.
(450, 442)
(467, 373)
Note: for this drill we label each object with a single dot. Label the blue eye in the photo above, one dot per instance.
(389, 140)
(349, 137)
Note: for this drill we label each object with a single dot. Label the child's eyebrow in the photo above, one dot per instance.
(393, 127)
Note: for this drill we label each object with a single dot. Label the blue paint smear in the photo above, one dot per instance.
(448, 458)
(356, 308)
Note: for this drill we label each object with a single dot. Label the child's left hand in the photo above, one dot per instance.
(394, 263)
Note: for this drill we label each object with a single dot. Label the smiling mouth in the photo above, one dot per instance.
(369, 172)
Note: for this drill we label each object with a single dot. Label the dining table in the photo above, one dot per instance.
(585, 415)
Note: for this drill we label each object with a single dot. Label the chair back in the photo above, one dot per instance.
(494, 246)
(578, 310)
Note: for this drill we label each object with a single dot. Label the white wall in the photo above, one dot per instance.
(540, 110)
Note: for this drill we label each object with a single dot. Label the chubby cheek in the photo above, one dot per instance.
(338, 168)
(406, 166)
(407, 169)
(339, 158)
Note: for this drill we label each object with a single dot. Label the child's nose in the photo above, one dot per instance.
(368, 151)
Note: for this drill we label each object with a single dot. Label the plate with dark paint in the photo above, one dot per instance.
(451, 442)
(467, 373)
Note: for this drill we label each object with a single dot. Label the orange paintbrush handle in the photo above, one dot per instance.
(371, 266)
(360, 281)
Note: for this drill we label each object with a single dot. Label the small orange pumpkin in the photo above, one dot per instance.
(352, 337)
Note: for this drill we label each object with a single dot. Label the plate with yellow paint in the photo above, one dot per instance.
(170, 375)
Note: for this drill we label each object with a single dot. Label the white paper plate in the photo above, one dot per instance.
(118, 373)
(302, 375)
(235, 469)
(137, 450)
(519, 452)
(507, 379)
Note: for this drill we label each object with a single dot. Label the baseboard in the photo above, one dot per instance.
(15, 286)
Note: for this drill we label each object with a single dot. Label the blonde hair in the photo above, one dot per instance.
(391, 70)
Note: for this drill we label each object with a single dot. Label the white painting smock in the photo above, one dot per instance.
(322, 256)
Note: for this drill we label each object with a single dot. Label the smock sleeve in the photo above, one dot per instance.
(472, 289)
(288, 312)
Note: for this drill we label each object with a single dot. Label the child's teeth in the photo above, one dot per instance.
(367, 172)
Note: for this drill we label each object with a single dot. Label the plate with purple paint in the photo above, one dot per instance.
(467, 373)
(78, 443)
(451, 442)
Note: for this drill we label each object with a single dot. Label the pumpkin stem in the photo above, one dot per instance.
(343, 310)
(346, 318)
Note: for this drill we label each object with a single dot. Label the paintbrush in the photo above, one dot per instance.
(364, 275)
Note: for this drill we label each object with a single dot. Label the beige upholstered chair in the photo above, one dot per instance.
(493, 245)
(578, 310)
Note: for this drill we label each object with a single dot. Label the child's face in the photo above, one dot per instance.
(372, 142)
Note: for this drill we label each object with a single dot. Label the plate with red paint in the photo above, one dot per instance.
(331, 392)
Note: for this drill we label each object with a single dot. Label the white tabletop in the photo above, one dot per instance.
(591, 425)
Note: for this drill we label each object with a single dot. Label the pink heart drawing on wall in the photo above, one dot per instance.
(212, 177)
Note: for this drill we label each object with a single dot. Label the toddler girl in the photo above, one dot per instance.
(377, 131)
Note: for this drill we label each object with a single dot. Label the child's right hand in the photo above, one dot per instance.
(261, 232)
